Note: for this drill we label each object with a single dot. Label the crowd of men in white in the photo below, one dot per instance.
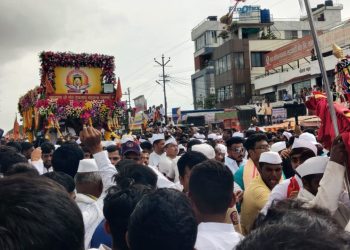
(215, 191)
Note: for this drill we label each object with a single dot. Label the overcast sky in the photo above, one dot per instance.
(134, 32)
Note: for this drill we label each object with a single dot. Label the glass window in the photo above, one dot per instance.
(200, 87)
(214, 36)
(240, 90)
(217, 67)
(297, 87)
(200, 42)
(290, 34)
(228, 92)
(258, 59)
(228, 61)
(221, 94)
(238, 60)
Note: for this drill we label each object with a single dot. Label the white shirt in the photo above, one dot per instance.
(93, 213)
(163, 182)
(280, 192)
(168, 167)
(83, 201)
(231, 164)
(217, 236)
(154, 158)
(39, 165)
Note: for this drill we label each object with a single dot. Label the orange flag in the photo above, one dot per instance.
(118, 92)
(16, 129)
(48, 86)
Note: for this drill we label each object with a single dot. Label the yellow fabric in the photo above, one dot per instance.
(255, 197)
(250, 172)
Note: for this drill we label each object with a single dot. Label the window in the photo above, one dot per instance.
(297, 87)
(238, 60)
(258, 59)
(200, 87)
(220, 94)
(228, 62)
(305, 33)
(290, 34)
(228, 92)
(223, 64)
(200, 42)
(207, 39)
(240, 90)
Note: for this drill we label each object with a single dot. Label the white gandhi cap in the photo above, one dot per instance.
(171, 140)
(270, 157)
(87, 165)
(300, 143)
(308, 137)
(221, 148)
(205, 149)
(314, 165)
(156, 137)
(278, 146)
(212, 136)
(287, 134)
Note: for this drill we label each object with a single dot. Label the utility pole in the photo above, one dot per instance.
(128, 94)
(163, 64)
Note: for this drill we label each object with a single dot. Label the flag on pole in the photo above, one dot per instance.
(16, 129)
(118, 92)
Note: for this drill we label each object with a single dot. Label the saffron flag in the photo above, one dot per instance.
(118, 92)
(16, 129)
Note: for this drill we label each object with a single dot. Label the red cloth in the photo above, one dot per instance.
(346, 139)
(326, 132)
(293, 186)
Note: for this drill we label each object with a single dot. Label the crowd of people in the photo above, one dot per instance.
(175, 190)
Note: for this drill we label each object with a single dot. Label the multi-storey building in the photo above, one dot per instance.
(227, 62)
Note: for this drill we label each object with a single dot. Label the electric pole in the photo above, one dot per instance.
(163, 64)
(128, 94)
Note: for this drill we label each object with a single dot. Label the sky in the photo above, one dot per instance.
(134, 32)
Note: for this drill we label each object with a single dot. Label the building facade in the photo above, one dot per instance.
(227, 66)
(293, 68)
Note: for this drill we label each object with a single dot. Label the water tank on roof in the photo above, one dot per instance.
(265, 16)
(328, 2)
(212, 18)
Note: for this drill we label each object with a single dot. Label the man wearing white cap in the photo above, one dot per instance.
(168, 163)
(158, 142)
(257, 193)
(311, 138)
(220, 152)
(301, 151)
(88, 183)
(311, 172)
(205, 149)
(92, 214)
(287, 135)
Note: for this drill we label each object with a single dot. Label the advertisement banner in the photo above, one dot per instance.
(290, 52)
(78, 80)
(279, 115)
(140, 103)
(302, 47)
